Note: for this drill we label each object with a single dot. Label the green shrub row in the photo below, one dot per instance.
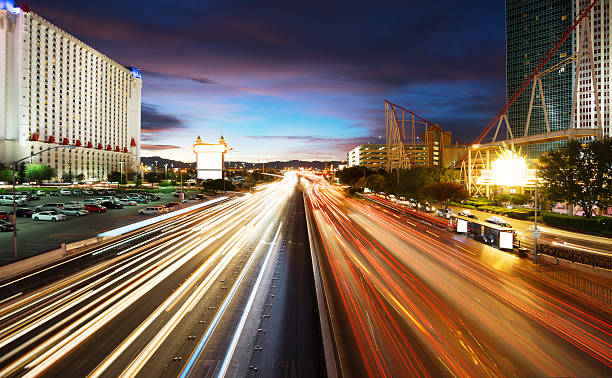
(595, 224)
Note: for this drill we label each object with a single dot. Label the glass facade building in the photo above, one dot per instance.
(532, 27)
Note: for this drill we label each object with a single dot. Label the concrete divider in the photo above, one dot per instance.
(48, 258)
(329, 350)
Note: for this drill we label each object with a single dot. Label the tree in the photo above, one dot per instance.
(217, 185)
(578, 173)
(67, 177)
(151, 177)
(376, 183)
(502, 199)
(114, 176)
(39, 172)
(21, 172)
(412, 180)
(521, 199)
(445, 192)
(6, 175)
(350, 176)
(80, 177)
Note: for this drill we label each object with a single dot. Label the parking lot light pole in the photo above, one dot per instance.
(120, 175)
(14, 164)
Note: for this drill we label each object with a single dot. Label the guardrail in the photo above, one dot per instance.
(578, 283)
(596, 260)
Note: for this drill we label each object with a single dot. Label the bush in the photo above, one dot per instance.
(521, 214)
(597, 224)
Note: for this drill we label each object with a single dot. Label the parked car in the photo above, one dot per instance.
(54, 193)
(4, 215)
(88, 192)
(50, 207)
(499, 221)
(177, 193)
(74, 211)
(30, 196)
(445, 213)
(126, 202)
(111, 205)
(94, 208)
(92, 201)
(200, 196)
(172, 204)
(24, 212)
(49, 216)
(5, 225)
(152, 197)
(77, 192)
(466, 213)
(65, 192)
(41, 193)
(139, 199)
(153, 210)
(424, 206)
(7, 200)
(73, 204)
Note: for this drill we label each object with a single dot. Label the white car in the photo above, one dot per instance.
(153, 210)
(92, 201)
(49, 215)
(41, 193)
(73, 205)
(445, 213)
(65, 192)
(88, 192)
(8, 200)
(125, 202)
(74, 211)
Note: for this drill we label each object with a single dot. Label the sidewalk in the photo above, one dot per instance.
(548, 233)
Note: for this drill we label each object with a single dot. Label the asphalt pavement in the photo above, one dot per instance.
(196, 295)
(35, 237)
(421, 301)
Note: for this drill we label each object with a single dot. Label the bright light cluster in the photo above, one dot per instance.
(510, 169)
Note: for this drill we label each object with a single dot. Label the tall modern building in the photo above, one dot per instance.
(56, 90)
(532, 28)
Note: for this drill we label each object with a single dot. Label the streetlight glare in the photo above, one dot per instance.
(509, 169)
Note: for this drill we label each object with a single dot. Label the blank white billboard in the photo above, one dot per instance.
(209, 161)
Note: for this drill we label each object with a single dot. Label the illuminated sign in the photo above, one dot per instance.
(135, 72)
(209, 160)
(9, 5)
(461, 225)
(506, 240)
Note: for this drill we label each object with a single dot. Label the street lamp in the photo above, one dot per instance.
(14, 164)
(121, 175)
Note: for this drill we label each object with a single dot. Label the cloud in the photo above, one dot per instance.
(153, 122)
(157, 147)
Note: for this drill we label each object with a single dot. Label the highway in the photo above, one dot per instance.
(407, 299)
(190, 296)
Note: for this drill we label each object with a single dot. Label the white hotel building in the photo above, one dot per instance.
(56, 90)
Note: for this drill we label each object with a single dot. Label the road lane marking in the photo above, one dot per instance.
(429, 232)
(247, 309)
(467, 250)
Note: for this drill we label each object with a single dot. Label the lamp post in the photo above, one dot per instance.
(120, 175)
(14, 164)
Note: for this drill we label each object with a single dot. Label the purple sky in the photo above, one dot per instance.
(285, 81)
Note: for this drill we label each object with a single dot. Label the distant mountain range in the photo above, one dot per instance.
(151, 161)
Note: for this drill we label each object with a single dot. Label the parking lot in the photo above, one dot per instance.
(35, 237)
